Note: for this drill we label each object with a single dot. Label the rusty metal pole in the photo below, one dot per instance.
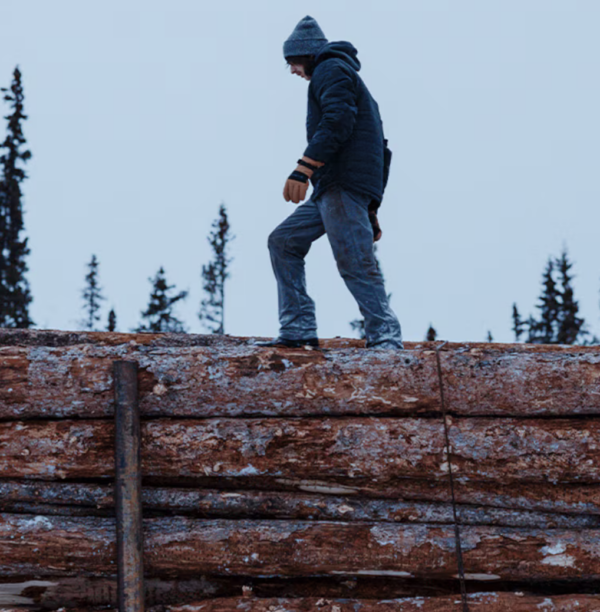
(128, 488)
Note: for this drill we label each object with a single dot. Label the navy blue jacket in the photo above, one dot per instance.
(343, 126)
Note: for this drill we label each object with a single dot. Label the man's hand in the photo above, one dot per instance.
(296, 185)
(375, 225)
(373, 206)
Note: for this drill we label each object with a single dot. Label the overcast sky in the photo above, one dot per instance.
(144, 116)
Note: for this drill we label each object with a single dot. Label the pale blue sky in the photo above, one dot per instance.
(144, 116)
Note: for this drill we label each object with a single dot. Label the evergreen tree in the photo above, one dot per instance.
(92, 296)
(215, 273)
(559, 322)
(358, 326)
(518, 323)
(431, 334)
(15, 295)
(159, 316)
(112, 321)
(570, 326)
(544, 330)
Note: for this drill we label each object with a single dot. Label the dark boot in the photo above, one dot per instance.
(285, 342)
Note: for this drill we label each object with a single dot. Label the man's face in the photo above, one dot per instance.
(299, 70)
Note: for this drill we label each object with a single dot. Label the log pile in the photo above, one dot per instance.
(297, 479)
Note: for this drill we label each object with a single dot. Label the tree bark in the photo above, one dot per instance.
(83, 499)
(69, 374)
(364, 450)
(490, 602)
(182, 547)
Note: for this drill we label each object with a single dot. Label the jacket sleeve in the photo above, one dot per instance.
(336, 92)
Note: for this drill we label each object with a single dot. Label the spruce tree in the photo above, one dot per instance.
(358, 326)
(92, 296)
(559, 322)
(518, 323)
(431, 334)
(15, 295)
(159, 317)
(215, 273)
(112, 321)
(544, 330)
(570, 326)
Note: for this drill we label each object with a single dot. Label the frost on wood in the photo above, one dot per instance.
(303, 472)
(67, 374)
(363, 449)
(180, 547)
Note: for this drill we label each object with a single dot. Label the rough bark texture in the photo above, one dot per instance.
(91, 593)
(571, 499)
(301, 454)
(364, 449)
(97, 500)
(490, 602)
(69, 374)
(183, 547)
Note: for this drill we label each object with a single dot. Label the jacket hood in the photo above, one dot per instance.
(342, 50)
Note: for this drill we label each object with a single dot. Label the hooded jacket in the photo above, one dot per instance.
(343, 126)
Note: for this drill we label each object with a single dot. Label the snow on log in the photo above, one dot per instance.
(362, 449)
(84, 499)
(571, 499)
(490, 602)
(66, 374)
(179, 547)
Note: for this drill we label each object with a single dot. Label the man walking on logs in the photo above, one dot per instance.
(347, 160)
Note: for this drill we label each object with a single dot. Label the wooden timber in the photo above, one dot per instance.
(84, 499)
(91, 593)
(68, 374)
(260, 465)
(571, 499)
(179, 546)
(365, 449)
(489, 601)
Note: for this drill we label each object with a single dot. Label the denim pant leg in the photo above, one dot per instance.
(289, 244)
(346, 220)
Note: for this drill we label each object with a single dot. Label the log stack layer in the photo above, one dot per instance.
(300, 479)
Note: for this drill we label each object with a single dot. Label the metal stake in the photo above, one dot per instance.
(128, 488)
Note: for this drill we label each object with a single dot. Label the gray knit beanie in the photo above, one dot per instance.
(306, 39)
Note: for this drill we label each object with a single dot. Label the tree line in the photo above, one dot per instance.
(159, 316)
(558, 319)
(15, 293)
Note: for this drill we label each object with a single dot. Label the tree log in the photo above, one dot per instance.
(490, 602)
(90, 593)
(69, 374)
(82, 499)
(182, 547)
(85, 592)
(571, 499)
(371, 450)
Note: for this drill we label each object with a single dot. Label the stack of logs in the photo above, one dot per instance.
(290, 480)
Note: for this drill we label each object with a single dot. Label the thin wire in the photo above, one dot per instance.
(461, 569)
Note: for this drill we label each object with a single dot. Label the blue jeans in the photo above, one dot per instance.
(343, 216)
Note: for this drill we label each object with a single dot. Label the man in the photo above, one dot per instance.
(347, 161)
